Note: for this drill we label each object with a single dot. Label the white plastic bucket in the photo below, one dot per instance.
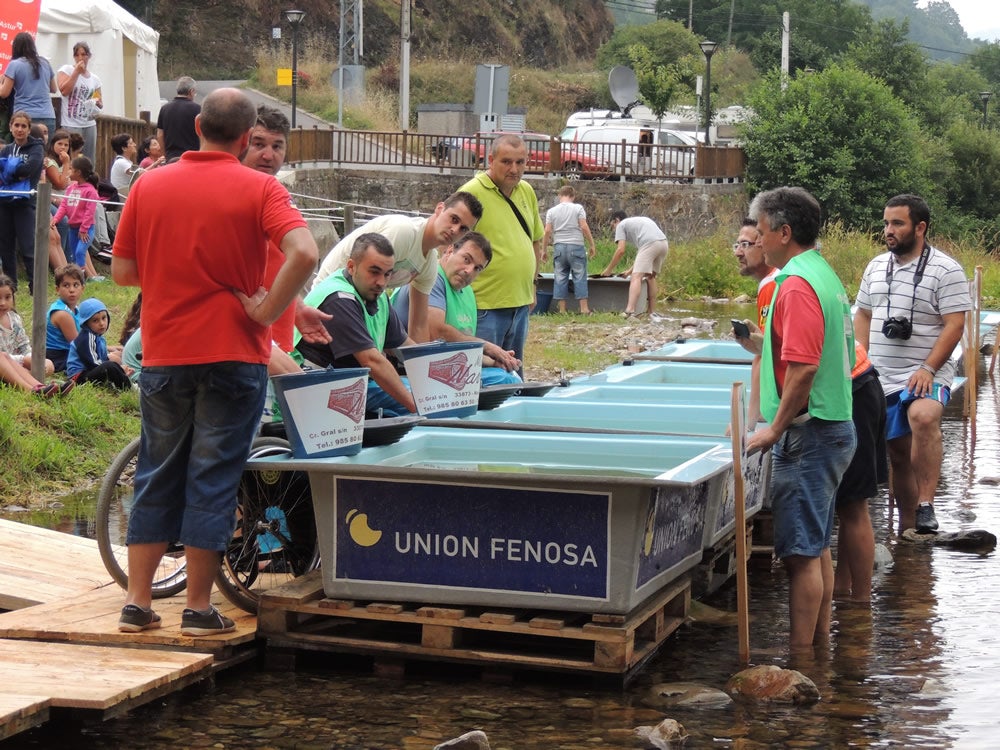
(323, 410)
(444, 377)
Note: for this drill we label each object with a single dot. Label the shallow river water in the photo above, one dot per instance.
(917, 671)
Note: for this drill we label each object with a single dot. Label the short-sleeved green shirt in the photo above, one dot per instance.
(508, 281)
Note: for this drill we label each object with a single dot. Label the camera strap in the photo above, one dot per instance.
(918, 276)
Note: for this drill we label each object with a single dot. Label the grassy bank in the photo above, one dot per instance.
(51, 448)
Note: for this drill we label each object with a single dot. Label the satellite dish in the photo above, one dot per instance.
(624, 87)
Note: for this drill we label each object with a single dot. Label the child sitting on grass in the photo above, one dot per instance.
(89, 359)
(15, 348)
(61, 325)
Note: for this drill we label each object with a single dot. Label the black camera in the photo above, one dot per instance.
(897, 328)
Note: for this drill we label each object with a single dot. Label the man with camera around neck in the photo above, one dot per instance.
(910, 315)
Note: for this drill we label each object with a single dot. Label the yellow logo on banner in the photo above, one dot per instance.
(361, 532)
(284, 77)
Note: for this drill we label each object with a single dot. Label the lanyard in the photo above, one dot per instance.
(918, 276)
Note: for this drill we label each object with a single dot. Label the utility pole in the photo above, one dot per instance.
(404, 65)
(690, 15)
(732, 12)
(785, 40)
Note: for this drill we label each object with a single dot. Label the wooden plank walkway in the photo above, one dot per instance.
(65, 610)
(39, 565)
(92, 618)
(19, 712)
(112, 681)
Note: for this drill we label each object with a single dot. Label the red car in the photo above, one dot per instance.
(571, 164)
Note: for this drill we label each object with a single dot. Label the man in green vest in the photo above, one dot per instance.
(452, 309)
(806, 400)
(363, 324)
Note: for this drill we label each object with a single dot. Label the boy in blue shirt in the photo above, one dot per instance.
(89, 360)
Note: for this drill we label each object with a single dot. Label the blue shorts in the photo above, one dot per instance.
(897, 423)
(808, 462)
(198, 422)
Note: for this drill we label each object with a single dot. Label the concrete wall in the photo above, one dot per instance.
(684, 211)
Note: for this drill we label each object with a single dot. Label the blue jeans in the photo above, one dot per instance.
(507, 327)
(198, 422)
(569, 259)
(498, 376)
(79, 246)
(379, 399)
(808, 462)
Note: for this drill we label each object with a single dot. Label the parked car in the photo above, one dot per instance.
(572, 164)
(675, 158)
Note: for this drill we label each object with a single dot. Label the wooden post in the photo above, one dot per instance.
(40, 280)
(348, 220)
(737, 420)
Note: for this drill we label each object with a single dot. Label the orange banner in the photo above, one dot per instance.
(18, 16)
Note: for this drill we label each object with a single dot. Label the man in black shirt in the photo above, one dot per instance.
(175, 123)
(363, 325)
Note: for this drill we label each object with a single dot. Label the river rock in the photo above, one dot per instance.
(474, 740)
(665, 735)
(686, 695)
(770, 684)
(883, 557)
(975, 540)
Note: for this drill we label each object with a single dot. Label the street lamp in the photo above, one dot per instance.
(985, 96)
(709, 49)
(294, 17)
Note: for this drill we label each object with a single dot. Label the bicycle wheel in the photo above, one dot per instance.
(275, 537)
(113, 507)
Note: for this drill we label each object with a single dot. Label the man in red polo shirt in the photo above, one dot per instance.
(198, 250)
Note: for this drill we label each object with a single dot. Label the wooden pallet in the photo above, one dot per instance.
(718, 565)
(297, 617)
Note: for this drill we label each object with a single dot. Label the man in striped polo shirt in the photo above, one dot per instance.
(911, 313)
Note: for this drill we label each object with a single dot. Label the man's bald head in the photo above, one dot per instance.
(226, 115)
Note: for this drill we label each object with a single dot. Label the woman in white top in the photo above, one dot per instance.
(82, 92)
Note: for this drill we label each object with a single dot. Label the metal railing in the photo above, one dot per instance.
(546, 156)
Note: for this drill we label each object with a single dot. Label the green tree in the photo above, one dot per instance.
(667, 41)
(950, 95)
(975, 159)
(986, 60)
(886, 54)
(839, 133)
(657, 83)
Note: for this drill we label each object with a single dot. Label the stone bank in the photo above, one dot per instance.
(685, 211)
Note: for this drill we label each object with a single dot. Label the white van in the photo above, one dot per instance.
(673, 159)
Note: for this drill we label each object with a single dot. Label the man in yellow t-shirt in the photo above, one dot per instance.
(505, 291)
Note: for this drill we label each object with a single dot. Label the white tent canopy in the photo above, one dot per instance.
(124, 51)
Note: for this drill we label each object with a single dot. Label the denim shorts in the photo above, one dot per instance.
(569, 260)
(198, 422)
(808, 462)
